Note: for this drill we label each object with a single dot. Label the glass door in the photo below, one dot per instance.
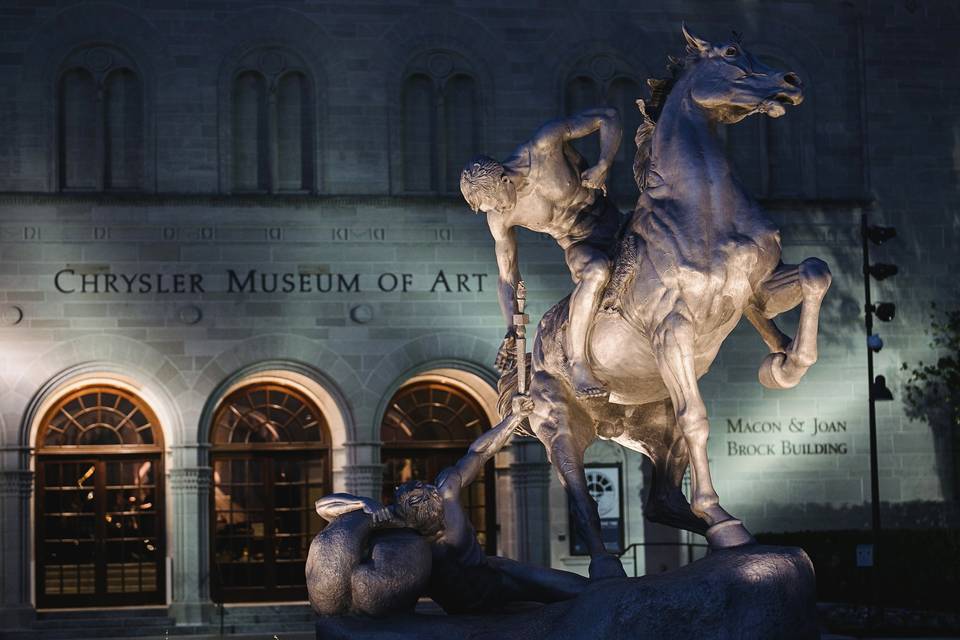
(264, 520)
(99, 531)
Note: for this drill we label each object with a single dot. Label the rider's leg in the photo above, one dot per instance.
(590, 269)
(789, 285)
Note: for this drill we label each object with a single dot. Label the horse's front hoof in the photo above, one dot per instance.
(606, 567)
(728, 534)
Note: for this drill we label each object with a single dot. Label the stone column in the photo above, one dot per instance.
(363, 472)
(16, 606)
(530, 475)
(190, 545)
(364, 479)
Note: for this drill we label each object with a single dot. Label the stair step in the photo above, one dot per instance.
(80, 614)
(91, 624)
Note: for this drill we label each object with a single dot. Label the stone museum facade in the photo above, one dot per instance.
(221, 218)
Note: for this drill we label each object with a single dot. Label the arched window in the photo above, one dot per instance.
(605, 81)
(100, 523)
(768, 153)
(101, 135)
(272, 113)
(427, 427)
(439, 122)
(271, 462)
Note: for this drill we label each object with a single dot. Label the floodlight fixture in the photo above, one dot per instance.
(882, 270)
(878, 235)
(880, 390)
(885, 311)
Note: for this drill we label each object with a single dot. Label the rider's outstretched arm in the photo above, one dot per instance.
(605, 119)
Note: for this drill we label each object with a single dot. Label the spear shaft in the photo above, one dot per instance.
(520, 320)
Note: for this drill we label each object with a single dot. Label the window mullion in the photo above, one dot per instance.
(272, 150)
(101, 137)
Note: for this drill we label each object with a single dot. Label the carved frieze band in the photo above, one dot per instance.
(16, 483)
(191, 479)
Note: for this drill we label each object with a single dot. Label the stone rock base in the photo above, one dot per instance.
(753, 591)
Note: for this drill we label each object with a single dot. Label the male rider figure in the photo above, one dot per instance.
(543, 187)
(462, 577)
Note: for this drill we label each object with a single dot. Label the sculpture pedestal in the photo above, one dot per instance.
(748, 592)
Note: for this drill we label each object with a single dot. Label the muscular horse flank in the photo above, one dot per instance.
(696, 255)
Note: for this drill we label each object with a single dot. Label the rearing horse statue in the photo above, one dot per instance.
(696, 254)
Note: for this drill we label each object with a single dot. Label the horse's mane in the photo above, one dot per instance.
(651, 109)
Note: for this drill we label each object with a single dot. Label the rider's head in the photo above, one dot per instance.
(486, 187)
(419, 505)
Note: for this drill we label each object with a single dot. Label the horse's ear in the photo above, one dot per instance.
(695, 45)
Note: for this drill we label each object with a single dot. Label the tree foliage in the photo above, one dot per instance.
(933, 390)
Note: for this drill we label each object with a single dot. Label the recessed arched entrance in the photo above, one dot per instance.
(271, 462)
(100, 501)
(428, 425)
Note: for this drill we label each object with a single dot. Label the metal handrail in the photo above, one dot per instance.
(634, 545)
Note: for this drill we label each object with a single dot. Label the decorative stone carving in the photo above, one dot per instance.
(10, 315)
(191, 479)
(16, 483)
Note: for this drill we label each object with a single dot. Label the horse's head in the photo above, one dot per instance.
(731, 84)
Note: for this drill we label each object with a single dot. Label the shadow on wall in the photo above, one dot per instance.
(931, 395)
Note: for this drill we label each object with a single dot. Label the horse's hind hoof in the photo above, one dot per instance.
(728, 534)
(589, 393)
(607, 566)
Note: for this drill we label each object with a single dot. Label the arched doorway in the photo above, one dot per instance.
(100, 500)
(271, 462)
(427, 427)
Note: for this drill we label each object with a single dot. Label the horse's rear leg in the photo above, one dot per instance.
(569, 465)
(652, 430)
(673, 343)
(552, 422)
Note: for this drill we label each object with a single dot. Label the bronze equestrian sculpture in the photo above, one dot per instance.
(696, 254)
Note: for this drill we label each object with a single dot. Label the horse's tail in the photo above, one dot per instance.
(507, 386)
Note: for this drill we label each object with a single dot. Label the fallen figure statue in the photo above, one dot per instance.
(376, 560)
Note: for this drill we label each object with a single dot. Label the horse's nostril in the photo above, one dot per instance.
(792, 79)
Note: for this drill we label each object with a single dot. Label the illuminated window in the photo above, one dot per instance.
(271, 462)
(427, 427)
(100, 523)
